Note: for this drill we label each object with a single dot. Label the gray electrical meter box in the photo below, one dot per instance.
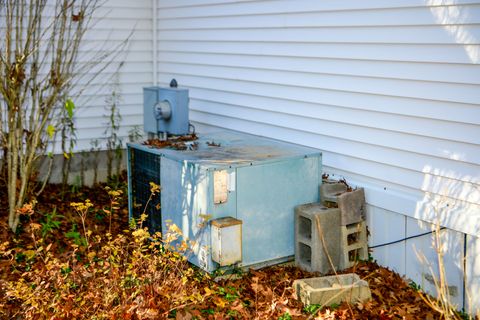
(165, 110)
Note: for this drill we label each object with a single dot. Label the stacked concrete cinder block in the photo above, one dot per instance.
(315, 222)
(332, 234)
(332, 289)
(353, 244)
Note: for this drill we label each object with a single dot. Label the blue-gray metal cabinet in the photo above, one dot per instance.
(254, 179)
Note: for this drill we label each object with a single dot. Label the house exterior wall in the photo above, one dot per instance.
(389, 90)
(119, 42)
(123, 30)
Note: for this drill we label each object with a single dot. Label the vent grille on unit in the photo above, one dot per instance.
(145, 168)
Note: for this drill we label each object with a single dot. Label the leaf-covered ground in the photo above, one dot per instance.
(49, 271)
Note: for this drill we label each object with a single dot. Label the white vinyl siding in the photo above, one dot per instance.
(388, 90)
(114, 23)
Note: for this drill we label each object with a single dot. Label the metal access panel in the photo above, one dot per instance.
(270, 193)
(226, 240)
(256, 180)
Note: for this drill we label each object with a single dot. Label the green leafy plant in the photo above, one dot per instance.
(464, 315)
(132, 223)
(75, 236)
(230, 294)
(69, 139)
(209, 311)
(412, 284)
(312, 308)
(285, 316)
(371, 258)
(51, 222)
(334, 306)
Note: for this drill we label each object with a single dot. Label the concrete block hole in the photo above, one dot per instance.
(353, 238)
(305, 227)
(355, 255)
(305, 254)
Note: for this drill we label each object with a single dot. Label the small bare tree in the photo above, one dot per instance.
(39, 46)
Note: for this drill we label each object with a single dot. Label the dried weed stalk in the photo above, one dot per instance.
(40, 45)
(130, 275)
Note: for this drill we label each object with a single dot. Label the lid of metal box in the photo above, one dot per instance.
(228, 148)
(225, 222)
